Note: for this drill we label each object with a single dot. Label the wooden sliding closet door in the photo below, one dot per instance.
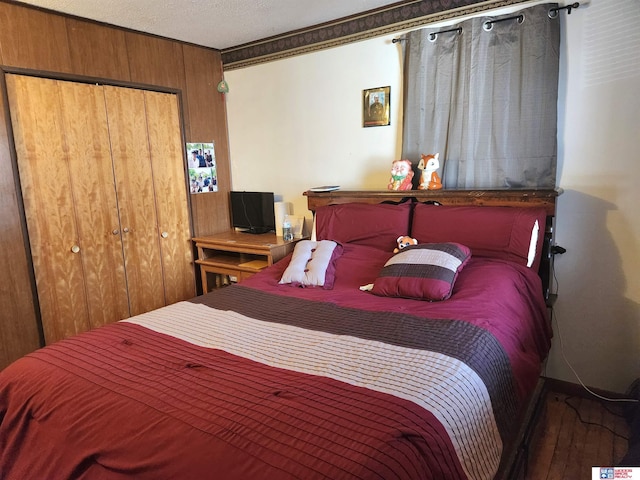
(66, 177)
(103, 181)
(136, 197)
(147, 152)
(166, 148)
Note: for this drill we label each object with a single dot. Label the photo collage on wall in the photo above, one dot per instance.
(203, 176)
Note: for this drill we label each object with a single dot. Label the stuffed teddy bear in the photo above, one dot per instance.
(403, 242)
(429, 179)
(401, 175)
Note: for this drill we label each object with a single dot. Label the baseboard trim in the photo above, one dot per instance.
(577, 390)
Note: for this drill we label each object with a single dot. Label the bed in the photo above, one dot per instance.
(329, 364)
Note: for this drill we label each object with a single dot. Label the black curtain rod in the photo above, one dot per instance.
(488, 25)
(434, 35)
(553, 12)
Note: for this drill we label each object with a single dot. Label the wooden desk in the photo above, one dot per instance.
(239, 254)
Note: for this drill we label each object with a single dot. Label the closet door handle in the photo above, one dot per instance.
(75, 249)
(164, 234)
(125, 229)
(116, 231)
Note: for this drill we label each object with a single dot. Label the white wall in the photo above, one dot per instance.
(297, 123)
(598, 311)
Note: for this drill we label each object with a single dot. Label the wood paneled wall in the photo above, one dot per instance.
(39, 40)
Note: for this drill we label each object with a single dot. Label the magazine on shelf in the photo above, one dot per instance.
(325, 188)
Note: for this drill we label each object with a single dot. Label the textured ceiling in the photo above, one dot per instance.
(212, 23)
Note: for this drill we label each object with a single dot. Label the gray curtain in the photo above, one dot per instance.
(486, 100)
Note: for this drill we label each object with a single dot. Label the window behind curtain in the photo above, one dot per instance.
(486, 100)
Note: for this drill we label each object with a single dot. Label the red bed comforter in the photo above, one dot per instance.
(269, 381)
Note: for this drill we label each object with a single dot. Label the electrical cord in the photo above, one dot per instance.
(564, 356)
(586, 422)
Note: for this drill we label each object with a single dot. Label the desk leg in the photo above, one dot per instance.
(203, 273)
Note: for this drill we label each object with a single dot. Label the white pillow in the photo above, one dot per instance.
(533, 244)
(312, 264)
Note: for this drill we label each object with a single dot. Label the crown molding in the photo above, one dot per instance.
(399, 16)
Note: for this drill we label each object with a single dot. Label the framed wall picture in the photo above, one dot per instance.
(203, 176)
(375, 107)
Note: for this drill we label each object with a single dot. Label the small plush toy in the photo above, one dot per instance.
(401, 175)
(429, 179)
(404, 241)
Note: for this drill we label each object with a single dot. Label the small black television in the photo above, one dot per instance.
(253, 212)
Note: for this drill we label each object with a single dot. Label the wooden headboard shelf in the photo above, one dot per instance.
(498, 197)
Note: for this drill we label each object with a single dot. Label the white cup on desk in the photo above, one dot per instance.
(297, 225)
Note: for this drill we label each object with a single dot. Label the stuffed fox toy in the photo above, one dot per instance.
(429, 179)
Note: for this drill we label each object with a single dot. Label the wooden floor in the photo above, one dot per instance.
(567, 448)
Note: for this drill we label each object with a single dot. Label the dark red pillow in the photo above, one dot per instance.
(510, 233)
(426, 271)
(376, 226)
